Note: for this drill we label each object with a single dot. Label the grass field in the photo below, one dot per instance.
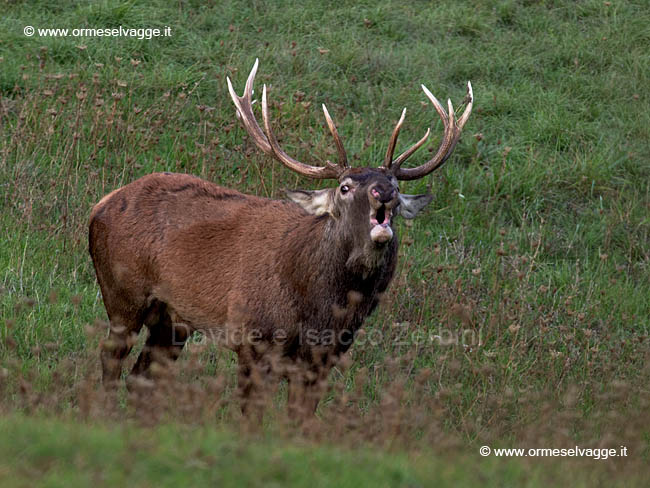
(519, 315)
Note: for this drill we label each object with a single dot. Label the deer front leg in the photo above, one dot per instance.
(252, 375)
(307, 386)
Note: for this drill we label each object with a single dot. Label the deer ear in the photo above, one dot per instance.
(315, 202)
(411, 205)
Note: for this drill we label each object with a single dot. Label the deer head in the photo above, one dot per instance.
(366, 198)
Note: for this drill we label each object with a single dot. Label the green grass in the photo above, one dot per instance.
(42, 452)
(535, 248)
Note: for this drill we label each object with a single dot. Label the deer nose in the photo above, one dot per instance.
(383, 194)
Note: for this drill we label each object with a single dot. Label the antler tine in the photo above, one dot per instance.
(245, 111)
(248, 88)
(328, 171)
(468, 109)
(436, 104)
(452, 131)
(268, 142)
(407, 154)
(343, 157)
(388, 160)
(394, 165)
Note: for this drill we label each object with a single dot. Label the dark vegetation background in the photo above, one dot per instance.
(519, 315)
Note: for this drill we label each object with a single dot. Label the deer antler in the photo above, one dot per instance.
(268, 143)
(388, 160)
(452, 131)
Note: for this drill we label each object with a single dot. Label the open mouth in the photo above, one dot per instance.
(380, 222)
(380, 216)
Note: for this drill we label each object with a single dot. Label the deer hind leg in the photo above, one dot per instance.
(123, 329)
(165, 342)
(124, 306)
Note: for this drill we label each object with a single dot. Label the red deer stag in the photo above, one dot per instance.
(179, 254)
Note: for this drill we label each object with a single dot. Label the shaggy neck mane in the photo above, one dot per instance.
(332, 256)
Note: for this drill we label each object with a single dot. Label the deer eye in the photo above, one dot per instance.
(345, 189)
